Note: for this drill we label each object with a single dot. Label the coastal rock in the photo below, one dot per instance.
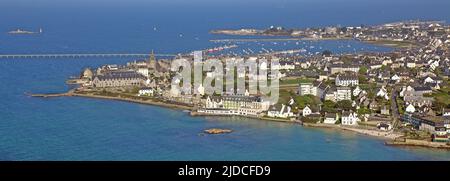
(218, 131)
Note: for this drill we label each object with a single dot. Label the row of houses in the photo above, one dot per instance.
(346, 117)
(438, 126)
(325, 92)
(234, 105)
(118, 79)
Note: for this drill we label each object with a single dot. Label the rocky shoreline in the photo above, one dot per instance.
(392, 139)
(148, 102)
(385, 135)
(418, 143)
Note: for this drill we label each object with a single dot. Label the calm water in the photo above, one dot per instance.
(87, 129)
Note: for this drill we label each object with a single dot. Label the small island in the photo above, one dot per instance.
(218, 131)
(21, 31)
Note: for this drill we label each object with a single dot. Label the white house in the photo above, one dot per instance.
(354, 104)
(143, 71)
(410, 64)
(395, 77)
(356, 91)
(307, 89)
(349, 118)
(201, 90)
(287, 66)
(410, 108)
(146, 92)
(434, 65)
(383, 93)
(405, 89)
(343, 93)
(281, 113)
(305, 65)
(306, 111)
(445, 112)
(429, 80)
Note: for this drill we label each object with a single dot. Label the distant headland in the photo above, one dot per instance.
(21, 31)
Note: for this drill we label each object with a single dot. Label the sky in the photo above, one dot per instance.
(259, 13)
(207, 2)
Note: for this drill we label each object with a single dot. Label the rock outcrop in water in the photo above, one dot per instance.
(218, 131)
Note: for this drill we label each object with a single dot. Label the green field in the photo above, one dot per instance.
(296, 81)
(395, 44)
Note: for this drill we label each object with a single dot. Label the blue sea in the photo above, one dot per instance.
(70, 128)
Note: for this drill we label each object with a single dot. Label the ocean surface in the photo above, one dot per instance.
(70, 128)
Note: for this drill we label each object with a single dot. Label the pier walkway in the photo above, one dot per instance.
(80, 55)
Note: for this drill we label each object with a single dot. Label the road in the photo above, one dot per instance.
(394, 107)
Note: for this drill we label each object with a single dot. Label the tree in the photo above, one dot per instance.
(362, 70)
(362, 79)
(344, 104)
(135, 90)
(329, 106)
(310, 100)
(327, 53)
(363, 110)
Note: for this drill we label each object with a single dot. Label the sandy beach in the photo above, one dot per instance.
(388, 135)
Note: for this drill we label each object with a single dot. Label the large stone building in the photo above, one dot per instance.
(235, 105)
(118, 79)
(343, 93)
(307, 89)
(317, 88)
(340, 68)
(347, 79)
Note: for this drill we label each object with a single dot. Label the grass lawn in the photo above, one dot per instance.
(442, 96)
(395, 44)
(296, 81)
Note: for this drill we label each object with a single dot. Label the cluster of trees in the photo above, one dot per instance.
(312, 101)
(330, 106)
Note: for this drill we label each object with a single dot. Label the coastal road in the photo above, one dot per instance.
(394, 107)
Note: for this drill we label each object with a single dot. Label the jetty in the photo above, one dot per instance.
(50, 95)
(80, 55)
(418, 143)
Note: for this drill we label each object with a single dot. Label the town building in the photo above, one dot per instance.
(340, 68)
(347, 79)
(307, 89)
(426, 123)
(343, 93)
(235, 105)
(306, 111)
(146, 91)
(118, 79)
(330, 118)
(349, 118)
(330, 94)
(410, 108)
(283, 112)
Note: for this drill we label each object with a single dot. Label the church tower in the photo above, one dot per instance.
(152, 61)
